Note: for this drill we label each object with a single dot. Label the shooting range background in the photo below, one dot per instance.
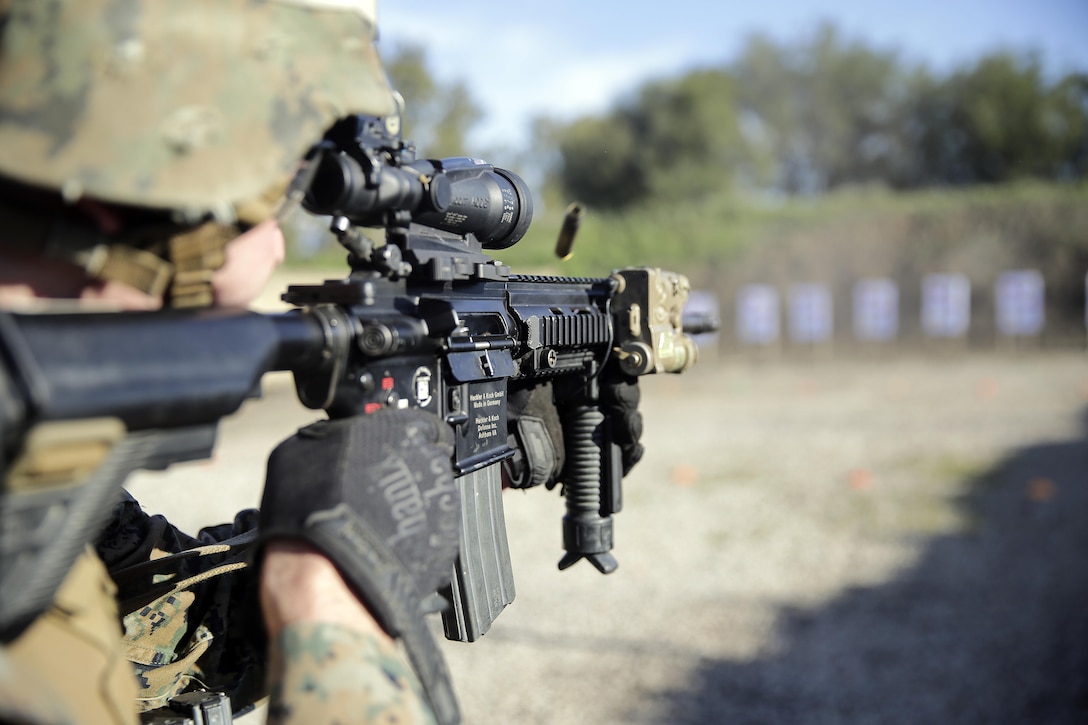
(896, 538)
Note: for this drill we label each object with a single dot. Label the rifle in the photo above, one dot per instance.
(426, 320)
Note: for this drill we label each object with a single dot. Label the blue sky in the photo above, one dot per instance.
(566, 58)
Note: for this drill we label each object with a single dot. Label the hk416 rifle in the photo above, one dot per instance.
(427, 319)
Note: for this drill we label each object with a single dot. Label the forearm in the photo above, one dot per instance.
(329, 660)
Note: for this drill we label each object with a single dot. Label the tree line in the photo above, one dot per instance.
(801, 117)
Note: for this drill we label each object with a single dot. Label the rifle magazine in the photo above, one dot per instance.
(483, 580)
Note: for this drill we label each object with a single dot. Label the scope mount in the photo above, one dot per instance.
(418, 253)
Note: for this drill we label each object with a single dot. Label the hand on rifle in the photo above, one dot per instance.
(375, 495)
(536, 430)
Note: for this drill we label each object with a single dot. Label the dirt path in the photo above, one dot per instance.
(884, 541)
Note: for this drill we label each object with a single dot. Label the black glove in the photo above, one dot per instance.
(536, 432)
(536, 436)
(619, 403)
(376, 495)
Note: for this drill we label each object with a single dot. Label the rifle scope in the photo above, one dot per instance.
(457, 195)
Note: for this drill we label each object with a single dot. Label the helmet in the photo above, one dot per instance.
(179, 104)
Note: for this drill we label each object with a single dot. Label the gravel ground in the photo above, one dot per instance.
(878, 541)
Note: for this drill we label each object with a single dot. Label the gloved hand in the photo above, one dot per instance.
(536, 436)
(375, 494)
(619, 403)
(536, 430)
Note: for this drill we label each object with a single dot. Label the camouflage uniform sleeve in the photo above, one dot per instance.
(207, 635)
(329, 673)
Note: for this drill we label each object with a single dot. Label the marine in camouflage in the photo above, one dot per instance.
(179, 104)
(196, 106)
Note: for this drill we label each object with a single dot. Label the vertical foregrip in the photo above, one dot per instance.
(586, 533)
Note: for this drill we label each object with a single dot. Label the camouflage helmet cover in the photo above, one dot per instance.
(191, 104)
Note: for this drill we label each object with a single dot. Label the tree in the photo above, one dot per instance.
(437, 117)
(676, 139)
(825, 109)
(820, 113)
(688, 132)
(1000, 120)
(600, 162)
